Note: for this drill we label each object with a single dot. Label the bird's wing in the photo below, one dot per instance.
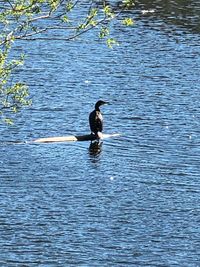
(96, 121)
(99, 121)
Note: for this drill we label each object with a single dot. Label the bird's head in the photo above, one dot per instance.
(100, 103)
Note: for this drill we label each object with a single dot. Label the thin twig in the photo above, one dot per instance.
(62, 39)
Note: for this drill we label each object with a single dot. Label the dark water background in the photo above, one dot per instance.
(136, 203)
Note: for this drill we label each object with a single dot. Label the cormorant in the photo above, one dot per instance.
(96, 119)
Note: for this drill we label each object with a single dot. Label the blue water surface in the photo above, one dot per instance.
(136, 201)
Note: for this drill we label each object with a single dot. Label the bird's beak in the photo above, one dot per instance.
(107, 103)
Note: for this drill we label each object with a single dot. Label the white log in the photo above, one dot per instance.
(71, 138)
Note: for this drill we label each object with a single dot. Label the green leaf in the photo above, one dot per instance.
(108, 12)
(8, 121)
(128, 22)
(111, 42)
(128, 3)
(104, 32)
(69, 6)
(65, 19)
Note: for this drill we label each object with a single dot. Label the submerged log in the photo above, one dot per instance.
(72, 138)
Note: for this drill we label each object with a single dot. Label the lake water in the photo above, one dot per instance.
(135, 201)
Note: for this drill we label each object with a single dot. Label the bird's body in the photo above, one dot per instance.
(96, 119)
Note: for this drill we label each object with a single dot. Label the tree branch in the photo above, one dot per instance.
(77, 34)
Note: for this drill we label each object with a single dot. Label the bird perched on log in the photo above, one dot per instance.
(96, 120)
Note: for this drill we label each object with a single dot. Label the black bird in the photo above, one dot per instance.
(96, 119)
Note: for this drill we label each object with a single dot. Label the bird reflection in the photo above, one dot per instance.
(95, 148)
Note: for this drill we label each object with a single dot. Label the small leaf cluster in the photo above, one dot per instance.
(13, 95)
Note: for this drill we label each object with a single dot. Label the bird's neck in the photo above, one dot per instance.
(97, 108)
